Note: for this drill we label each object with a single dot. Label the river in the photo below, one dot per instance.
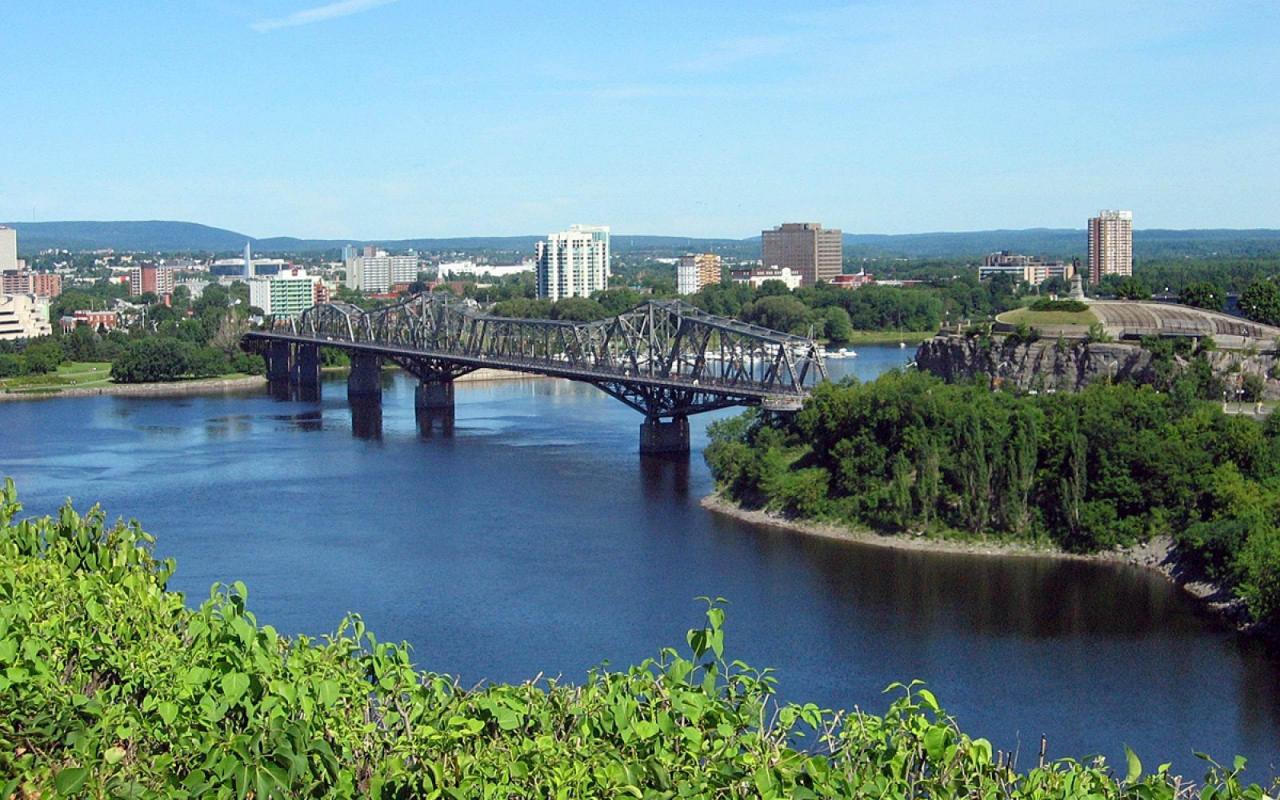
(535, 540)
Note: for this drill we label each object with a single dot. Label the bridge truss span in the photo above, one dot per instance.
(664, 358)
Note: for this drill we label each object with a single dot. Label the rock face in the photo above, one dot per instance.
(1068, 365)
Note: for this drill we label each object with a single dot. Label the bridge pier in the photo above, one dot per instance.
(433, 406)
(434, 395)
(664, 438)
(365, 378)
(279, 357)
(305, 373)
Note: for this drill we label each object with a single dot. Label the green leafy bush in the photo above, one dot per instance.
(110, 686)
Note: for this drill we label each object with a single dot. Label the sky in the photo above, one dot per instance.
(414, 118)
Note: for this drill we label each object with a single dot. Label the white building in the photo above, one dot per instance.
(378, 272)
(23, 316)
(9, 250)
(447, 268)
(287, 293)
(573, 263)
(759, 275)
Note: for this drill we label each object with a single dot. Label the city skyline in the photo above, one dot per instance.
(873, 117)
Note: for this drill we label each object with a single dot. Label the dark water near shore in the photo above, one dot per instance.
(534, 539)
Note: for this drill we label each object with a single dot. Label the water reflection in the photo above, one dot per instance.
(366, 417)
(665, 476)
(434, 422)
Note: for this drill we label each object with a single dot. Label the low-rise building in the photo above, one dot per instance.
(23, 316)
(447, 268)
(855, 281)
(1030, 269)
(759, 275)
(97, 320)
(696, 271)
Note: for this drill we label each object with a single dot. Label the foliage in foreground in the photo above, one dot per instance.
(1109, 466)
(110, 686)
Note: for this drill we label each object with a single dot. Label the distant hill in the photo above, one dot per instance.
(175, 237)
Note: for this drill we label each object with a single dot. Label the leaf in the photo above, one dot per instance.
(935, 742)
(929, 700)
(70, 780)
(1135, 766)
(327, 691)
(114, 755)
(168, 712)
(234, 685)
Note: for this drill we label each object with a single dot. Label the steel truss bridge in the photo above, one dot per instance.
(666, 359)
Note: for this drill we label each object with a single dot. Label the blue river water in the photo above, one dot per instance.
(533, 539)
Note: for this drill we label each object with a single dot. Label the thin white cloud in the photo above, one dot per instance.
(341, 8)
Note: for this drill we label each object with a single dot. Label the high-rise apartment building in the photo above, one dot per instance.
(287, 293)
(156, 280)
(809, 250)
(376, 271)
(573, 263)
(697, 271)
(1110, 245)
(8, 249)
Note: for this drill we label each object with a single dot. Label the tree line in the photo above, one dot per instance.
(1110, 466)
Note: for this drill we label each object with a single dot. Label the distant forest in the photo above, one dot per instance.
(165, 236)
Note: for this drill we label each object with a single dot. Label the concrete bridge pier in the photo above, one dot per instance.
(658, 437)
(306, 368)
(279, 357)
(433, 407)
(434, 395)
(365, 378)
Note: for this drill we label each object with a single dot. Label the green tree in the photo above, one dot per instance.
(43, 355)
(1260, 301)
(578, 309)
(1131, 288)
(1203, 294)
(837, 326)
(156, 358)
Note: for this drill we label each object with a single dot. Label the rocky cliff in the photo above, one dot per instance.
(1069, 365)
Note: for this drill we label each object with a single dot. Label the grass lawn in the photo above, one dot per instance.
(1034, 318)
(68, 375)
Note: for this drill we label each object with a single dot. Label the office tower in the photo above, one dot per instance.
(809, 250)
(248, 262)
(573, 263)
(1110, 245)
(8, 249)
(697, 271)
(348, 252)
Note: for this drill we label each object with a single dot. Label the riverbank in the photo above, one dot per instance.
(1157, 554)
(167, 389)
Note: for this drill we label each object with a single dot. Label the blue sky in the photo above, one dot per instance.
(377, 119)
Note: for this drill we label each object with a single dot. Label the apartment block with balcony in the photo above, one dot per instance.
(1110, 245)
